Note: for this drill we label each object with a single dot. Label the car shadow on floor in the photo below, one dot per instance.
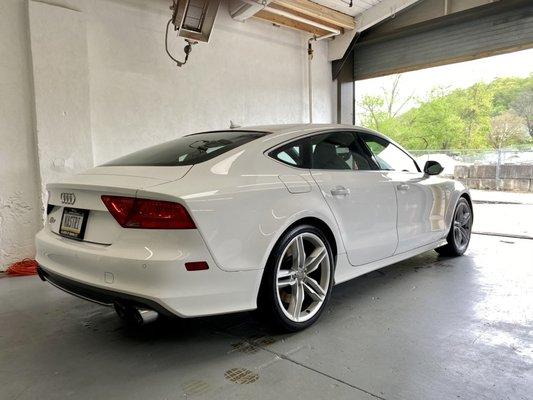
(250, 326)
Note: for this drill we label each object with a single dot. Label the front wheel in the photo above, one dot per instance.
(459, 236)
(298, 279)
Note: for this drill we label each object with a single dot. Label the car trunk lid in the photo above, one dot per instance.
(78, 199)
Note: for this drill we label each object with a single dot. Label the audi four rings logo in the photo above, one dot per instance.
(68, 198)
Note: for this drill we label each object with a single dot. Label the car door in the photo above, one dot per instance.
(421, 198)
(360, 196)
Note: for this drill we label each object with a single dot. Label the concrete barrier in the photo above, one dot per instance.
(515, 178)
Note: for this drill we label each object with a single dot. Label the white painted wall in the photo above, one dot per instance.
(60, 74)
(251, 73)
(20, 207)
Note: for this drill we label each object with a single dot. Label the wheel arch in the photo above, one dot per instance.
(463, 194)
(468, 198)
(458, 192)
(313, 221)
(317, 223)
(309, 220)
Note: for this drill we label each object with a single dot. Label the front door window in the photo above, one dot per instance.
(388, 156)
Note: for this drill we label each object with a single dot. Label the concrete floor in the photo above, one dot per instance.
(427, 328)
(504, 213)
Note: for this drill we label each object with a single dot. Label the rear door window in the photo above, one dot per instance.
(338, 151)
(188, 150)
(332, 150)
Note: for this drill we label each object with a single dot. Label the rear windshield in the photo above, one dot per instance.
(187, 150)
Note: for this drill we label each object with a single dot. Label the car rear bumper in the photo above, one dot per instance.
(147, 270)
(98, 295)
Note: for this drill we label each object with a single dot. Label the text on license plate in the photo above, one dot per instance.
(73, 223)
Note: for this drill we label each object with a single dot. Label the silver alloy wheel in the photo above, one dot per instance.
(462, 226)
(303, 275)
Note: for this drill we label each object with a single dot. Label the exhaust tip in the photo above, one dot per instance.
(135, 315)
(145, 316)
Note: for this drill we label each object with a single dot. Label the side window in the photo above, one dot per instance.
(387, 155)
(292, 154)
(338, 150)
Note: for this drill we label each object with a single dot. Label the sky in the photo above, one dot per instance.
(452, 76)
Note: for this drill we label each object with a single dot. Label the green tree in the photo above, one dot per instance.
(474, 107)
(438, 121)
(506, 128)
(506, 90)
(458, 119)
(381, 112)
(523, 106)
(374, 114)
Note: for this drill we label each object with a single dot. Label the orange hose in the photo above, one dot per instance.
(23, 268)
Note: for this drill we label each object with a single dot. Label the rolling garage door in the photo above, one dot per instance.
(495, 28)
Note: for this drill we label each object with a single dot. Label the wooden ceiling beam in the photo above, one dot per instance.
(298, 15)
(289, 23)
(322, 13)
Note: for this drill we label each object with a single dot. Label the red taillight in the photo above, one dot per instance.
(131, 212)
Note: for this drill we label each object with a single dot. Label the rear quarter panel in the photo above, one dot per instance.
(242, 207)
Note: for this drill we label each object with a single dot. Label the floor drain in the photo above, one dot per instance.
(195, 387)
(241, 376)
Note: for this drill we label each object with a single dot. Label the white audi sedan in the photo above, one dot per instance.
(267, 217)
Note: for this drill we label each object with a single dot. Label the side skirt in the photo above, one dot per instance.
(345, 271)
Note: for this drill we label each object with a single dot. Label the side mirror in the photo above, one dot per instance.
(433, 168)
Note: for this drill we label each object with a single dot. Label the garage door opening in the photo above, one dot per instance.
(475, 118)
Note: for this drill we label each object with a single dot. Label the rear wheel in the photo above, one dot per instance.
(459, 236)
(298, 279)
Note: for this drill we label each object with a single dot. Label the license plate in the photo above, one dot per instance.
(73, 223)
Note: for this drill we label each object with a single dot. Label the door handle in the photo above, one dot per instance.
(403, 187)
(340, 191)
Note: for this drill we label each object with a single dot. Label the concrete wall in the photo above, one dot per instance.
(515, 178)
(251, 73)
(61, 90)
(20, 206)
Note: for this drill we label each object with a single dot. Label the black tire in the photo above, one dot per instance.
(454, 247)
(270, 303)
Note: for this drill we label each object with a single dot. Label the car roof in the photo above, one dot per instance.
(277, 133)
(289, 131)
(285, 128)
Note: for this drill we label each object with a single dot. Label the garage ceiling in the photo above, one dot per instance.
(306, 16)
(319, 18)
(335, 13)
(343, 6)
